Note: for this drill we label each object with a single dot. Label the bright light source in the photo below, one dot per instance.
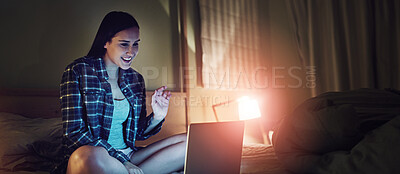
(248, 108)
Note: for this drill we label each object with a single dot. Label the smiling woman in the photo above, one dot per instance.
(103, 106)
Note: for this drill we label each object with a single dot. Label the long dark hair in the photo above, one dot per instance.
(112, 23)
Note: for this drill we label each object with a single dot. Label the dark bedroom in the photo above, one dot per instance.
(202, 86)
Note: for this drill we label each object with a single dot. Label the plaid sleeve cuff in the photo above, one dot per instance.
(156, 129)
(152, 132)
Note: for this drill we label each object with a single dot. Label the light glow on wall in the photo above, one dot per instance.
(248, 108)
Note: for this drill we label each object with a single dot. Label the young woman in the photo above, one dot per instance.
(104, 109)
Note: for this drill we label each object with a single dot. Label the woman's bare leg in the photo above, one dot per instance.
(91, 159)
(167, 154)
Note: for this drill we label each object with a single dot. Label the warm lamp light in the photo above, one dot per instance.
(248, 108)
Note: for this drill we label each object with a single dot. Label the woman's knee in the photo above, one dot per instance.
(86, 158)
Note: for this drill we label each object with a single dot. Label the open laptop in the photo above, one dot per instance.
(214, 148)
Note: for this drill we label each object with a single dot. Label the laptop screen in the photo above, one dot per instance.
(214, 148)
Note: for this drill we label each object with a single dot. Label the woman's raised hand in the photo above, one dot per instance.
(160, 102)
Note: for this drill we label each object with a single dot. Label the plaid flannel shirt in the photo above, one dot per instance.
(87, 107)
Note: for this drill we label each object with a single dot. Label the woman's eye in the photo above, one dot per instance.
(135, 44)
(125, 44)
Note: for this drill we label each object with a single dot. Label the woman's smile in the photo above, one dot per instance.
(127, 59)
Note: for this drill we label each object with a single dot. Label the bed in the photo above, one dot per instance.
(348, 132)
(30, 134)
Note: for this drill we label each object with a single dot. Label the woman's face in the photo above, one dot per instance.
(122, 48)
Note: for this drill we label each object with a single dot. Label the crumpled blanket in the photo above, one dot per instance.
(342, 132)
(28, 144)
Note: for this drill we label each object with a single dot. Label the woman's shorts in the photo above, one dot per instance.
(129, 151)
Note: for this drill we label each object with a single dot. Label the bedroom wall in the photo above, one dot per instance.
(39, 38)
